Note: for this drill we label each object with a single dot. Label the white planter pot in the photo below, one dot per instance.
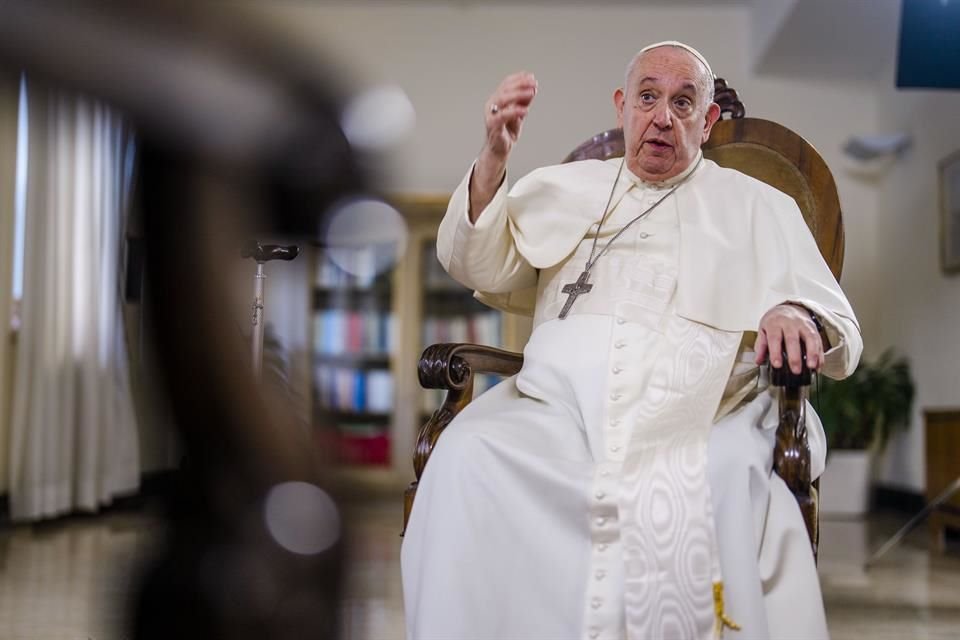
(845, 484)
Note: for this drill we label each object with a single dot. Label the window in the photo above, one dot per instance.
(19, 205)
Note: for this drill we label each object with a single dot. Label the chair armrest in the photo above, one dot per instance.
(791, 456)
(452, 366)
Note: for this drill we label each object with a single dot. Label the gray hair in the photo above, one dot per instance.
(704, 79)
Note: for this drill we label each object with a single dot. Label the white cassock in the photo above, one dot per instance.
(609, 488)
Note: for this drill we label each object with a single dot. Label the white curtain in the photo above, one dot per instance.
(73, 438)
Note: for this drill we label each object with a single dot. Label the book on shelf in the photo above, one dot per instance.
(379, 391)
(341, 331)
(347, 389)
(364, 444)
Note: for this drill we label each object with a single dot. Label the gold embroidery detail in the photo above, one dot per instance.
(723, 622)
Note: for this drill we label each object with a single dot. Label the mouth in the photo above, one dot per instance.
(659, 145)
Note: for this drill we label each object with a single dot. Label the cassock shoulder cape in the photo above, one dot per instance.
(735, 231)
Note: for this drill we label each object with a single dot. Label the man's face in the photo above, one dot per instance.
(664, 113)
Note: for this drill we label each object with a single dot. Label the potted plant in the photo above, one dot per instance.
(859, 415)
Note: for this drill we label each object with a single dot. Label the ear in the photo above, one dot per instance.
(712, 115)
(618, 100)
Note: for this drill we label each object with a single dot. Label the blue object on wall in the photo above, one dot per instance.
(929, 50)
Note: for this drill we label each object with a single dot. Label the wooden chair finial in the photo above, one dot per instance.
(728, 100)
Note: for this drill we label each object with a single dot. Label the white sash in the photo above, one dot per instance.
(668, 535)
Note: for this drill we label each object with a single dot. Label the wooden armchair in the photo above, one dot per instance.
(760, 148)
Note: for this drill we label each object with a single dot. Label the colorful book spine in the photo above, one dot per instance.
(353, 390)
(338, 332)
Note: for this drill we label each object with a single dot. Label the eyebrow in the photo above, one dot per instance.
(689, 86)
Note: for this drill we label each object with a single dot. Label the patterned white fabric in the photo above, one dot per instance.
(670, 549)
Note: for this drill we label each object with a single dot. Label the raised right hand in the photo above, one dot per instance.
(512, 99)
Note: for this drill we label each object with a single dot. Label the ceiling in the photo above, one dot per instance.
(842, 40)
(834, 39)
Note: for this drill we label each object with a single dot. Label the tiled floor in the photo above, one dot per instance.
(68, 580)
(907, 594)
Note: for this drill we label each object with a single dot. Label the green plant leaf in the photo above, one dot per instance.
(869, 407)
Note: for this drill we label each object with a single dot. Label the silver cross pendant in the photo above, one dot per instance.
(573, 290)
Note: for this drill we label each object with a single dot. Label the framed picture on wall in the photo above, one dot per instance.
(950, 213)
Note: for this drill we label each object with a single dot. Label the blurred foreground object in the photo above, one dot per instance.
(262, 254)
(239, 136)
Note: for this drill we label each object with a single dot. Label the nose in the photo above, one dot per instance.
(662, 118)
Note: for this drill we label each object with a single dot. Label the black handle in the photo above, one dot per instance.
(784, 377)
(268, 252)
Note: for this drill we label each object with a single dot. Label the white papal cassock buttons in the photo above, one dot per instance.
(594, 633)
(616, 370)
(614, 422)
(601, 521)
(600, 574)
(644, 235)
(614, 396)
(620, 320)
(619, 344)
(602, 547)
(596, 602)
(600, 495)
(615, 448)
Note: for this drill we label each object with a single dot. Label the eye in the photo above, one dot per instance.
(646, 97)
(683, 103)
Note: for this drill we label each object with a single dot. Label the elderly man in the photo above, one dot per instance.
(621, 484)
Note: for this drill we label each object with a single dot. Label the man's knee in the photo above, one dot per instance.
(737, 452)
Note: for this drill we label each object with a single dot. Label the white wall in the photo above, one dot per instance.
(919, 306)
(767, 19)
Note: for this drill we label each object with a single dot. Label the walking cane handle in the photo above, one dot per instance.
(267, 252)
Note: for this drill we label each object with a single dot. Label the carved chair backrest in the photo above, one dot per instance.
(766, 151)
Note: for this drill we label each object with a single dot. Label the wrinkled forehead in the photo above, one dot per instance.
(668, 65)
(677, 45)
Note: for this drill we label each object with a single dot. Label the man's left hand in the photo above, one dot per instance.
(783, 328)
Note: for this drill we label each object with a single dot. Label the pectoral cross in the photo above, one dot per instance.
(573, 290)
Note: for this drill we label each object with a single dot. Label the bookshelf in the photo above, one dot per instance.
(368, 335)
(354, 337)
